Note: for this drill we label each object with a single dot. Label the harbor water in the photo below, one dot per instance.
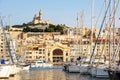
(50, 74)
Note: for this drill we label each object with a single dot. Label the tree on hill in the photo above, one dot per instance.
(50, 28)
(28, 29)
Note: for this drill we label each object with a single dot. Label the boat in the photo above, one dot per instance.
(99, 70)
(72, 67)
(27, 67)
(4, 69)
(84, 66)
(23, 65)
(12, 70)
(114, 64)
(42, 64)
(7, 68)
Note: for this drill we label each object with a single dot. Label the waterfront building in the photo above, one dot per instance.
(78, 46)
(55, 48)
(57, 53)
(46, 49)
(12, 37)
(3, 49)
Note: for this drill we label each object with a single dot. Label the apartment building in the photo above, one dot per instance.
(3, 46)
(56, 48)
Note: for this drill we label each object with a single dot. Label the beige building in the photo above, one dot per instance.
(8, 44)
(55, 53)
(56, 48)
(73, 44)
(3, 50)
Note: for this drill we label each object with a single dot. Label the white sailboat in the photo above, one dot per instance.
(98, 69)
(4, 71)
(4, 66)
(42, 64)
(7, 68)
(84, 67)
(73, 66)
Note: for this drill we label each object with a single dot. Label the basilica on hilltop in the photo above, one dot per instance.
(38, 18)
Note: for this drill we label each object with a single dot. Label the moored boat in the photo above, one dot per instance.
(72, 67)
(4, 69)
(42, 64)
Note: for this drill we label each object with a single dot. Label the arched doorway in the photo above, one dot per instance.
(57, 56)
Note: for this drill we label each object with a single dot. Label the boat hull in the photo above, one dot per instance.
(73, 68)
(84, 69)
(41, 64)
(98, 72)
(4, 71)
(12, 70)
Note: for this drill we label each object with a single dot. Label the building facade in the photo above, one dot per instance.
(55, 53)
(57, 49)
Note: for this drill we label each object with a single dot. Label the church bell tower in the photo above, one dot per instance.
(40, 16)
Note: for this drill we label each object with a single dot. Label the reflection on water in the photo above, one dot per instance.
(49, 74)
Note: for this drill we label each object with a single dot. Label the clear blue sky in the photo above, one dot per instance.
(57, 11)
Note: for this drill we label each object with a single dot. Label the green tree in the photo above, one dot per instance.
(51, 29)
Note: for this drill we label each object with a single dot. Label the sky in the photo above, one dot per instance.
(57, 11)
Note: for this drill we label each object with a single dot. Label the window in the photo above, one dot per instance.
(43, 49)
(57, 52)
(2, 56)
(66, 54)
(40, 49)
(66, 59)
(1, 46)
(40, 57)
(40, 52)
(48, 54)
(48, 59)
(28, 52)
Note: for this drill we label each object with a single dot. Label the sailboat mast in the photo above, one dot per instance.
(76, 36)
(109, 36)
(92, 22)
(81, 33)
(114, 27)
(12, 41)
(77, 21)
(6, 41)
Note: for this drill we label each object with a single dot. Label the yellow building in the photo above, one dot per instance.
(56, 48)
(56, 53)
(8, 44)
(3, 49)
